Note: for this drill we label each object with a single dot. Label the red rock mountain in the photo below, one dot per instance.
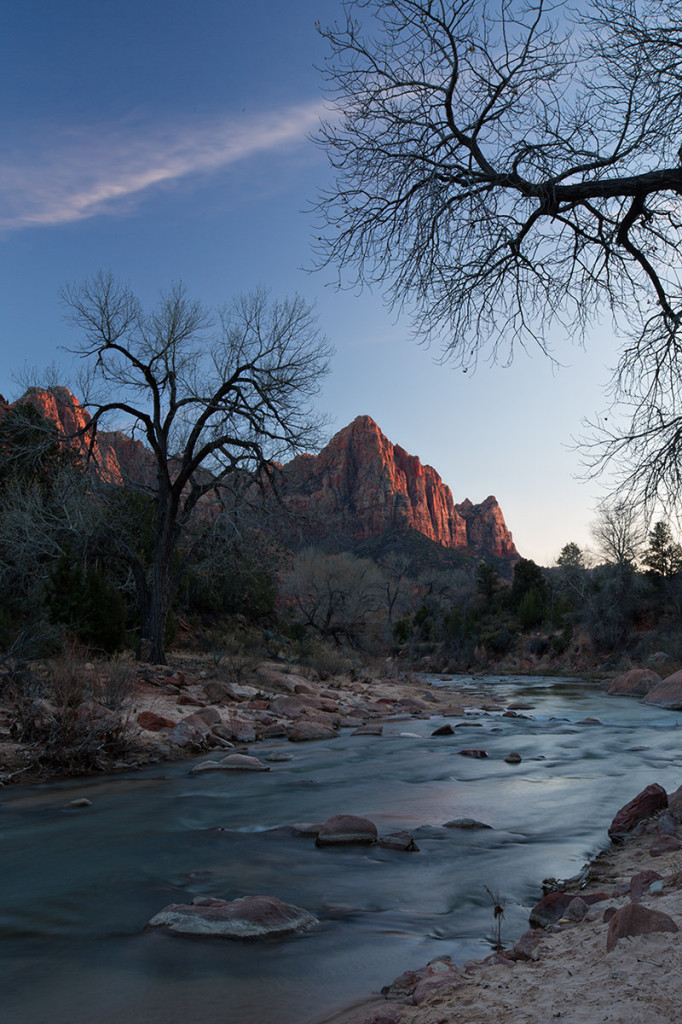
(362, 485)
(119, 459)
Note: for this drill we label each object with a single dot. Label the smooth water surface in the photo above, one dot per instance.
(78, 886)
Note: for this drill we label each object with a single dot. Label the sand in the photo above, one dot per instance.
(574, 980)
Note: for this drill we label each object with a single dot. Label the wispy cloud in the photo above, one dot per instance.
(84, 172)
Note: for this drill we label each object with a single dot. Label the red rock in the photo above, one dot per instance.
(527, 946)
(634, 919)
(250, 917)
(185, 699)
(310, 730)
(635, 683)
(640, 882)
(668, 693)
(117, 457)
(363, 485)
(652, 799)
(414, 986)
(553, 906)
(346, 829)
(154, 723)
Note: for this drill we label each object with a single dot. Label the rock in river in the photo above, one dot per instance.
(347, 829)
(635, 683)
(231, 763)
(251, 917)
(668, 693)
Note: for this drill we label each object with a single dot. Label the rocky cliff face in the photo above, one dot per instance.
(118, 458)
(362, 485)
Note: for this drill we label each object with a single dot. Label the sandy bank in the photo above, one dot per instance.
(572, 977)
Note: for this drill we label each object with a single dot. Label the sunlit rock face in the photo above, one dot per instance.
(117, 457)
(363, 485)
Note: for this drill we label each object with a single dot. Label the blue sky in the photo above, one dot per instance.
(167, 140)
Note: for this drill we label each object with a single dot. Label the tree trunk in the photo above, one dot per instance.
(160, 584)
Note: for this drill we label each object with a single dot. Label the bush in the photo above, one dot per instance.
(82, 600)
(325, 660)
(65, 715)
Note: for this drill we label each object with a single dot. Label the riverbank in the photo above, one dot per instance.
(70, 717)
(569, 971)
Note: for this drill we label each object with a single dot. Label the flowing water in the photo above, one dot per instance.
(79, 885)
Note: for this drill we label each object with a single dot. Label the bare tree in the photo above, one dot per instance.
(338, 596)
(619, 534)
(212, 395)
(510, 165)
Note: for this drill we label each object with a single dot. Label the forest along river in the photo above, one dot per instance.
(80, 885)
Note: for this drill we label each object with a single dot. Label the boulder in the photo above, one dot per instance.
(219, 692)
(652, 799)
(187, 700)
(345, 830)
(287, 706)
(554, 905)
(635, 683)
(668, 693)
(310, 729)
(286, 680)
(444, 730)
(231, 763)
(634, 919)
(414, 987)
(251, 917)
(527, 948)
(473, 753)
(640, 883)
(209, 715)
(513, 758)
(368, 730)
(191, 732)
(152, 722)
(399, 841)
(576, 909)
(466, 823)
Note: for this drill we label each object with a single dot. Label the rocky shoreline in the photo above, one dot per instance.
(607, 949)
(179, 712)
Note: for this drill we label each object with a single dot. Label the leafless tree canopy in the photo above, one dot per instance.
(506, 166)
(211, 394)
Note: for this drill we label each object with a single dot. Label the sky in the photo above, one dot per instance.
(169, 140)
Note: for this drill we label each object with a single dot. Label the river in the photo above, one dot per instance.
(78, 886)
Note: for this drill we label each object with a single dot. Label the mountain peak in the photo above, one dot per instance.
(362, 485)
